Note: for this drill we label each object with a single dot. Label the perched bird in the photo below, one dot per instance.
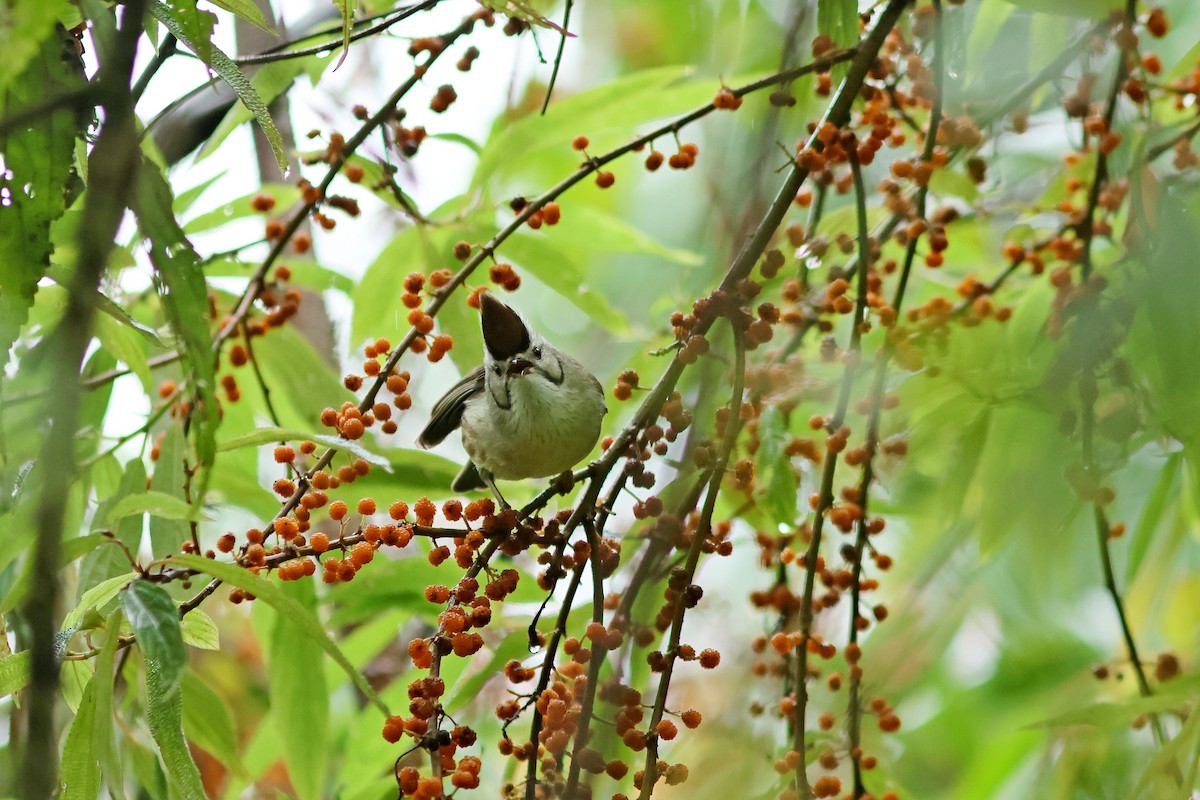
(529, 411)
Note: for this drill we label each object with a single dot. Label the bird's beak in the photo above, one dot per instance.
(519, 366)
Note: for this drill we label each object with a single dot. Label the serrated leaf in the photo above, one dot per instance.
(190, 25)
(164, 713)
(156, 504)
(37, 155)
(268, 435)
(97, 598)
(269, 81)
(200, 631)
(305, 621)
(229, 72)
(14, 672)
(154, 617)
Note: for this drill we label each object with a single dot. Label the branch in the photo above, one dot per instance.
(113, 171)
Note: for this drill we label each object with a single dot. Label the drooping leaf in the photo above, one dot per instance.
(297, 671)
(346, 12)
(838, 19)
(208, 721)
(80, 760)
(167, 525)
(155, 619)
(156, 504)
(185, 299)
(775, 466)
(164, 713)
(247, 10)
(274, 435)
(304, 620)
(193, 36)
(269, 81)
(37, 155)
(105, 742)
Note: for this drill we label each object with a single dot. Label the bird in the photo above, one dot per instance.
(528, 411)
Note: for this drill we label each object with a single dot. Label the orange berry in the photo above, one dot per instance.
(580, 143)
(366, 506)
(605, 179)
(666, 730)
(284, 454)
(319, 542)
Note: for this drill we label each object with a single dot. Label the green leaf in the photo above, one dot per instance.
(1152, 513)
(96, 598)
(190, 25)
(108, 562)
(126, 347)
(164, 713)
(240, 208)
(247, 10)
(304, 620)
(1090, 9)
(514, 645)
(302, 382)
(346, 11)
(613, 108)
(775, 466)
(229, 72)
(105, 744)
(155, 619)
(275, 435)
(296, 672)
(156, 504)
(169, 479)
(588, 229)
(541, 257)
(80, 761)
(185, 299)
(838, 19)
(26, 30)
(14, 672)
(199, 630)
(269, 81)
(208, 722)
(37, 156)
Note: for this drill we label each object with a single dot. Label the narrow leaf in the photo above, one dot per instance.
(304, 620)
(14, 672)
(156, 504)
(155, 620)
(230, 73)
(80, 761)
(268, 435)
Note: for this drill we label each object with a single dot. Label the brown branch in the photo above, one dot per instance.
(113, 164)
(733, 426)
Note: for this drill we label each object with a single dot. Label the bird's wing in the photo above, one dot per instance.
(447, 414)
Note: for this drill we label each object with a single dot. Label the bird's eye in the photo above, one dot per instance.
(537, 352)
